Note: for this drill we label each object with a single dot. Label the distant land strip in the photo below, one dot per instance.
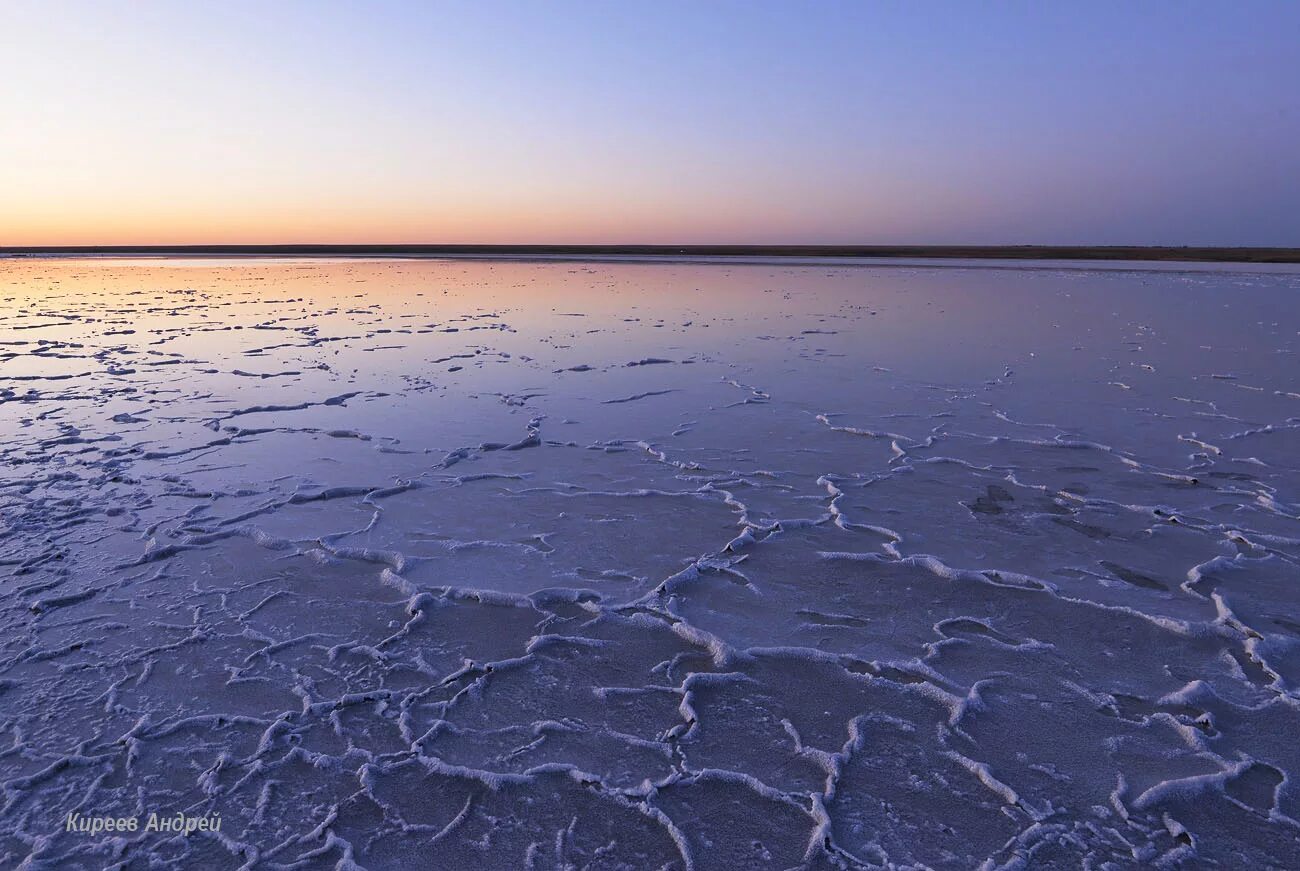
(1204, 254)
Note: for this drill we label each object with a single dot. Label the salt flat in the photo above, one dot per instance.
(446, 563)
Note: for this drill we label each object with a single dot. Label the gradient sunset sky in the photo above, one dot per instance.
(693, 122)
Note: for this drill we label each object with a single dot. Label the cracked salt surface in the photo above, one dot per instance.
(678, 565)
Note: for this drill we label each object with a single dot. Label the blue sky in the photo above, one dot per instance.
(1146, 123)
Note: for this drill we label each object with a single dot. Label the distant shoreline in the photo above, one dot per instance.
(1198, 254)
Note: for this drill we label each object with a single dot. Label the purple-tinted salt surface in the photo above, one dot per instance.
(451, 564)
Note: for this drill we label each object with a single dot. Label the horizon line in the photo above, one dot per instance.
(1193, 253)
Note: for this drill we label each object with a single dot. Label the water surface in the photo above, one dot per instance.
(649, 565)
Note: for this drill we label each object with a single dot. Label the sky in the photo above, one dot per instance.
(650, 122)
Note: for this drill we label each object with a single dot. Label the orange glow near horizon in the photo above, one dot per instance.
(163, 211)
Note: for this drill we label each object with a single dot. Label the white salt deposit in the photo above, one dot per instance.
(411, 564)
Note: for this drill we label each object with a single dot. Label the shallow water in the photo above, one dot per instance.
(404, 564)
